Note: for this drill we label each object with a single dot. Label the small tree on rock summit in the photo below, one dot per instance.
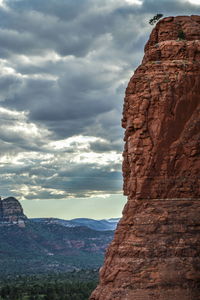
(153, 20)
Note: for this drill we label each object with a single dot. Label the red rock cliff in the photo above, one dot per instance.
(155, 253)
(11, 212)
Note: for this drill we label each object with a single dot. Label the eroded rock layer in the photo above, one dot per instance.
(156, 250)
(11, 211)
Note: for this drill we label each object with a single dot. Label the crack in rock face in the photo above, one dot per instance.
(155, 253)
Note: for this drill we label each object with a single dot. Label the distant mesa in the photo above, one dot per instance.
(45, 245)
(11, 212)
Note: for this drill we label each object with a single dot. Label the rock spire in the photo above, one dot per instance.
(155, 253)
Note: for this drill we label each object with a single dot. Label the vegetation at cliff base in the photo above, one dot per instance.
(69, 286)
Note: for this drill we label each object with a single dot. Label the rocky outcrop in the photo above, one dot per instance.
(11, 212)
(155, 253)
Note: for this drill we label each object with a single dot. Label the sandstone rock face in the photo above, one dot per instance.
(11, 212)
(155, 253)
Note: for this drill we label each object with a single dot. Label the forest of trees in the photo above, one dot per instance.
(75, 285)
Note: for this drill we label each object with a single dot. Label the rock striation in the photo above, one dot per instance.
(155, 253)
(11, 212)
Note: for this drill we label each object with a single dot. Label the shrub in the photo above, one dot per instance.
(181, 35)
(153, 20)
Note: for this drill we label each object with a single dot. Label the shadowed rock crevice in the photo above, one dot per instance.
(155, 253)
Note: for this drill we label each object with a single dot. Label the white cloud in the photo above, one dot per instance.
(3, 5)
(78, 142)
(15, 127)
(196, 2)
(133, 2)
(102, 159)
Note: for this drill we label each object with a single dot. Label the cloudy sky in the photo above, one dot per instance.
(64, 67)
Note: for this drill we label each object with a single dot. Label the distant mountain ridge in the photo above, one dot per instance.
(100, 225)
(11, 212)
(43, 245)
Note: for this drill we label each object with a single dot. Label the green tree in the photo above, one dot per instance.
(153, 20)
(181, 35)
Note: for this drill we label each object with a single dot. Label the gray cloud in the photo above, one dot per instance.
(64, 69)
(105, 146)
